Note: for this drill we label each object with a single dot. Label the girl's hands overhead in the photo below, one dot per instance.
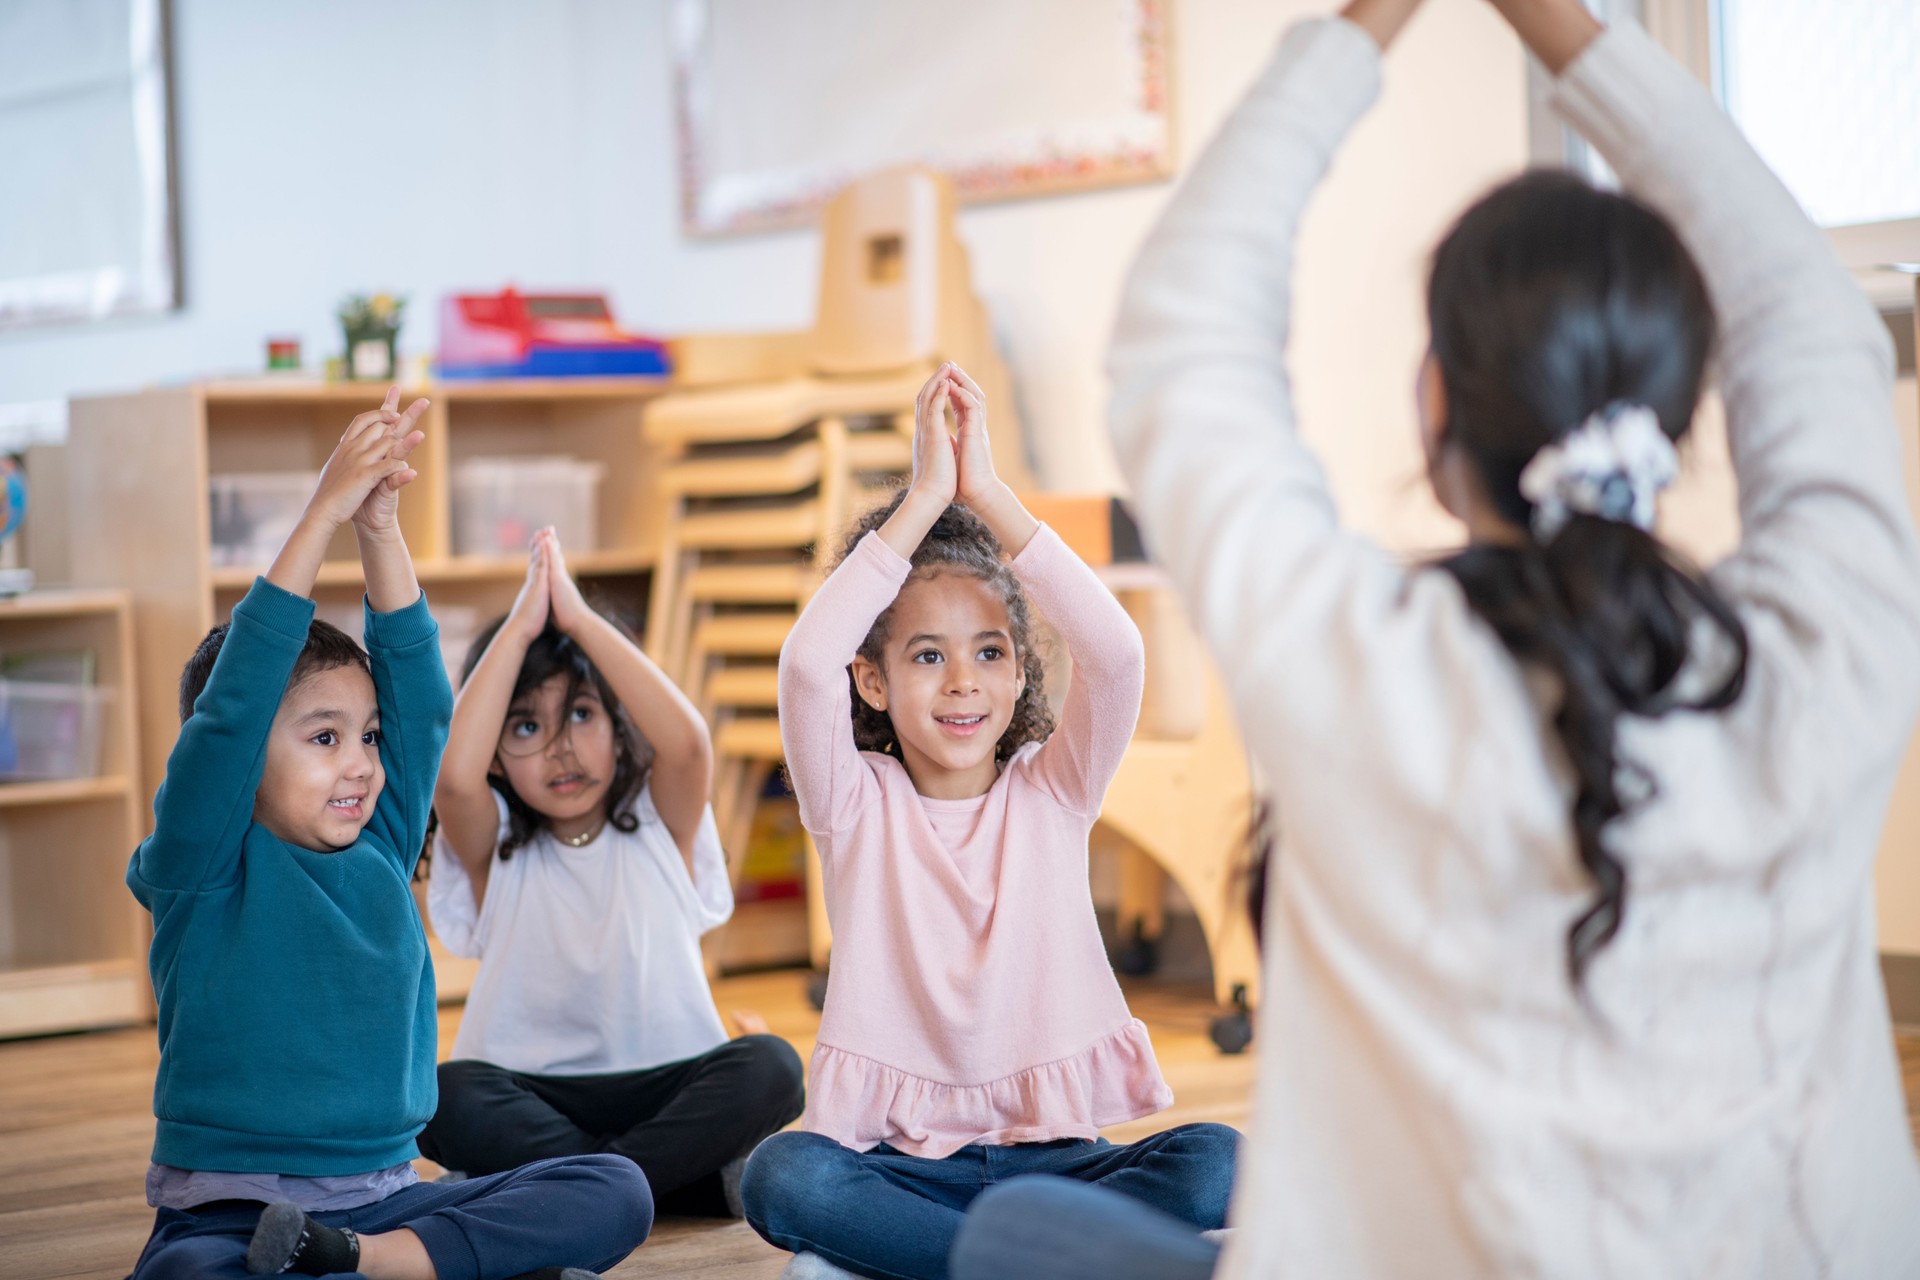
(935, 469)
(528, 618)
(570, 608)
(978, 483)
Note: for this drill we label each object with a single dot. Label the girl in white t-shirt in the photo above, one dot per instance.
(577, 857)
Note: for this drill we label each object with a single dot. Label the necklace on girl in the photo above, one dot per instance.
(585, 838)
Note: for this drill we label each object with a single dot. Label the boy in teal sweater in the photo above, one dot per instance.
(296, 1003)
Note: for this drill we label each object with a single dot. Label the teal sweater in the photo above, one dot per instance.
(297, 1026)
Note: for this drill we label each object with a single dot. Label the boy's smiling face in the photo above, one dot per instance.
(323, 771)
(950, 680)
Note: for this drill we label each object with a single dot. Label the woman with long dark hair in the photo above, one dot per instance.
(1570, 962)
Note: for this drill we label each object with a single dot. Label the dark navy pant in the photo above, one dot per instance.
(588, 1211)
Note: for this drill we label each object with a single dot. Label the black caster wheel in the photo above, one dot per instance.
(1141, 955)
(817, 989)
(1231, 1033)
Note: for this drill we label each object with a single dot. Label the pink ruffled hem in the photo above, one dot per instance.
(861, 1103)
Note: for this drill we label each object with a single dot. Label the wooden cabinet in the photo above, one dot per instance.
(72, 939)
(140, 468)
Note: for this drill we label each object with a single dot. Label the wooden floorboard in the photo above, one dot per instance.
(76, 1124)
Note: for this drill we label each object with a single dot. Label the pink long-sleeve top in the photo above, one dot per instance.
(971, 1000)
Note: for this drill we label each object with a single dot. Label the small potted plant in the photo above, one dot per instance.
(372, 327)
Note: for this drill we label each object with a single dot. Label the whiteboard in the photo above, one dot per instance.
(87, 222)
(780, 103)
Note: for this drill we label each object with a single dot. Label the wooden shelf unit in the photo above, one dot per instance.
(138, 468)
(72, 939)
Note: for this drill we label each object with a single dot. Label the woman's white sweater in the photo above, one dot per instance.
(1433, 1098)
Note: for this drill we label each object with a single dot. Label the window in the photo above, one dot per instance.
(1829, 95)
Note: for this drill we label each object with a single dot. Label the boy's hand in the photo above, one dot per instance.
(935, 470)
(362, 460)
(528, 617)
(380, 512)
(570, 608)
(978, 483)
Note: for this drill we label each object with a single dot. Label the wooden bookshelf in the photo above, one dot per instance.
(138, 471)
(72, 939)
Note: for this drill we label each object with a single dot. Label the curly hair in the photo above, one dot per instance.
(959, 542)
(552, 654)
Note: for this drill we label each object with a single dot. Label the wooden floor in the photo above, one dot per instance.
(76, 1125)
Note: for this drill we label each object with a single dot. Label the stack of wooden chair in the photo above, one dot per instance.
(771, 443)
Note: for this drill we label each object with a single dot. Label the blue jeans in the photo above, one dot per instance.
(1053, 1229)
(584, 1211)
(893, 1216)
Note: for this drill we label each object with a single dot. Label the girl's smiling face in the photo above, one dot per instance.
(557, 753)
(948, 680)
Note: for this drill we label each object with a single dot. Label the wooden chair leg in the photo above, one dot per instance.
(1143, 897)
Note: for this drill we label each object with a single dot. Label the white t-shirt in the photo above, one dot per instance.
(589, 957)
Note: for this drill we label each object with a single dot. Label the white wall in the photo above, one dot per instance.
(441, 144)
(423, 146)
(1897, 877)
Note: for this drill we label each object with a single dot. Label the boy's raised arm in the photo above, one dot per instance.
(403, 645)
(205, 806)
(384, 559)
(416, 707)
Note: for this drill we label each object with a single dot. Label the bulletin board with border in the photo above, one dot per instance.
(779, 105)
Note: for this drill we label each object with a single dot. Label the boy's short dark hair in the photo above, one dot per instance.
(327, 647)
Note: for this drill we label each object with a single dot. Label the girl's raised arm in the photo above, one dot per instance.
(816, 706)
(469, 815)
(682, 770)
(1109, 659)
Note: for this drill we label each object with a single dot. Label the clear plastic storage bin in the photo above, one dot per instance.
(498, 503)
(252, 513)
(50, 731)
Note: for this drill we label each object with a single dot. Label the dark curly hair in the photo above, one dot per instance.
(959, 542)
(553, 653)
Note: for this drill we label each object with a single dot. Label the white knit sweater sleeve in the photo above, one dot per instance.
(1827, 574)
(1338, 658)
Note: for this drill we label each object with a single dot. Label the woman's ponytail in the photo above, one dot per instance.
(1571, 331)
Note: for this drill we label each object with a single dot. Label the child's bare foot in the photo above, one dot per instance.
(748, 1022)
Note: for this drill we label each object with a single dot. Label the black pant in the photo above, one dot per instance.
(679, 1122)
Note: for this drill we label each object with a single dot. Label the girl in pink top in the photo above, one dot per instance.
(973, 1030)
